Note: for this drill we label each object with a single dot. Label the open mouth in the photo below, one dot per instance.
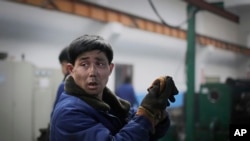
(92, 85)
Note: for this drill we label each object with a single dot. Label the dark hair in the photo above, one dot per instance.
(63, 56)
(87, 43)
(127, 79)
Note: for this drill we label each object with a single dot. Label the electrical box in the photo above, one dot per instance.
(47, 81)
(27, 96)
(16, 86)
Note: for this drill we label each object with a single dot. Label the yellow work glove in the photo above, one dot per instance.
(153, 105)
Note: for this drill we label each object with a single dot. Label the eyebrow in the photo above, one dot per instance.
(84, 58)
(96, 58)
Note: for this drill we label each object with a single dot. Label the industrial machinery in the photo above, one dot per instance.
(222, 104)
(217, 105)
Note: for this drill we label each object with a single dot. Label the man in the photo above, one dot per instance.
(64, 60)
(88, 111)
(126, 91)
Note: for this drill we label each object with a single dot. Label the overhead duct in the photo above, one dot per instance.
(213, 55)
(111, 31)
(140, 41)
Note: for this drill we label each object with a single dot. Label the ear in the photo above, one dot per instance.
(70, 67)
(111, 66)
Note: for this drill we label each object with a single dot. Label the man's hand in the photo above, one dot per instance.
(167, 89)
(155, 102)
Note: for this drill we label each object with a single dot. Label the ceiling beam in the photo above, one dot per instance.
(214, 9)
(108, 15)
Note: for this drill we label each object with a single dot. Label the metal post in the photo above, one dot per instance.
(190, 68)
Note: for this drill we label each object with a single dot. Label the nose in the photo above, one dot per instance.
(92, 70)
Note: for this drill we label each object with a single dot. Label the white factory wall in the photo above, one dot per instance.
(40, 35)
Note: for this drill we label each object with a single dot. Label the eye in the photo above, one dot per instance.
(84, 64)
(101, 64)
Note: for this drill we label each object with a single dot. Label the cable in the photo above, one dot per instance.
(162, 20)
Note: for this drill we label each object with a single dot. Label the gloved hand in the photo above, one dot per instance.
(155, 102)
(167, 89)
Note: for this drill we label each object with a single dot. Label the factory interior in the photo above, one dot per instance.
(204, 45)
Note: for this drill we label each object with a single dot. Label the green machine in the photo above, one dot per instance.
(213, 112)
(216, 106)
(220, 105)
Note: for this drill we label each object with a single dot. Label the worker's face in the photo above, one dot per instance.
(91, 72)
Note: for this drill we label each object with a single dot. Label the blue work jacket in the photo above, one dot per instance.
(75, 120)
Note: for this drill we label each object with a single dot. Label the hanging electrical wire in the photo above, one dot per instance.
(163, 21)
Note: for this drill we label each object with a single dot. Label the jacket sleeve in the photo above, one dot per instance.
(73, 124)
(60, 89)
(160, 130)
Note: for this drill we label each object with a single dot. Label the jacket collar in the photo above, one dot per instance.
(109, 100)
